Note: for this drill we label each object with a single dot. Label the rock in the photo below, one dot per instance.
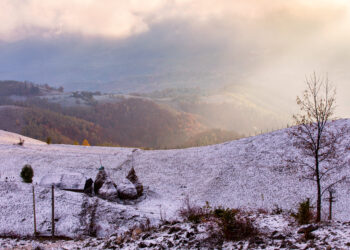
(189, 234)
(146, 236)
(170, 244)
(99, 180)
(108, 190)
(51, 179)
(257, 240)
(278, 236)
(307, 229)
(142, 245)
(72, 181)
(127, 190)
(174, 230)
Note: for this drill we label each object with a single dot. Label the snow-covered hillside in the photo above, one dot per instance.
(12, 138)
(240, 173)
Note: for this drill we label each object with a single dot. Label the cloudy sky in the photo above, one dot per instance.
(136, 44)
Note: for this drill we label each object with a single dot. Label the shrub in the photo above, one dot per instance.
(304, 215)
(21, 142)
(191, 212)
(262, 211)
(85, 143)
(27, 173)
(48, 140)
(233, 224)
(277, 210)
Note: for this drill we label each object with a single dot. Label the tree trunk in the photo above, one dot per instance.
(318, 215)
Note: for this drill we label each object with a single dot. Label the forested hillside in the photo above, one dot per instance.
(131, 122)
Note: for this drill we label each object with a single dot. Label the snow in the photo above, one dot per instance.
(13, 138)
(127, 189)
(237, 174)
(64, 181)
(183, 235)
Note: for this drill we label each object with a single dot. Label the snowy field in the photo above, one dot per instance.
(236, 174)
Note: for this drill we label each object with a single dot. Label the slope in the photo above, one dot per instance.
(240, 173)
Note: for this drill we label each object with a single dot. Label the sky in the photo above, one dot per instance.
(120, 45)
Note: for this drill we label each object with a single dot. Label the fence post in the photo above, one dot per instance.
(53, 211)
(331, 200)
(330, 205)
(35, 232)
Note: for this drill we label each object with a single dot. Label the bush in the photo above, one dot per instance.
(277, 210)
(233, 224)
(27, 173)
(191, 212)
(48, 140)
(304, 215)
(85, 143)
(21, 142)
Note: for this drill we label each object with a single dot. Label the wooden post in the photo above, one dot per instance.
(331, 200)
(330, 205)
(35, 232)
(53, 211)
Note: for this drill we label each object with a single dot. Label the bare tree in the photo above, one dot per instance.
(320, 154)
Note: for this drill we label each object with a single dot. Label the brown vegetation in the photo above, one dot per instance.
(231, 224)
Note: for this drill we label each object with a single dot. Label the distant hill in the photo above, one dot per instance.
(40, 111)
(140, 123)
(131, 122)
(40, 124)
(11, 118)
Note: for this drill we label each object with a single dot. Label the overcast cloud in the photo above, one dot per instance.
(267, 44)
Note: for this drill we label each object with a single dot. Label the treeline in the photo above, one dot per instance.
(42, 124)
(8, 88)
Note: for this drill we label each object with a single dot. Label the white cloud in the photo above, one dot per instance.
(20, 19)
(122, 18)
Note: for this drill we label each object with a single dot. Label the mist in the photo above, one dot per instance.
(263, 49)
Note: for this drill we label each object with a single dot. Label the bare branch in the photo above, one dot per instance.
(333, 184)
(315, 141)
